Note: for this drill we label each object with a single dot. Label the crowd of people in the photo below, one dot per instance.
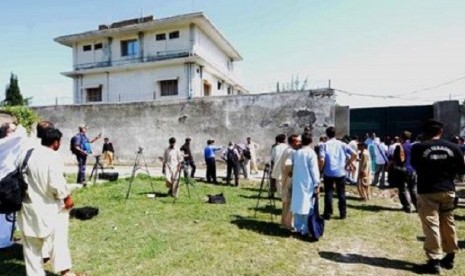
(423, 170)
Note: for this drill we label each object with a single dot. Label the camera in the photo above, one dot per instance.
(140, 149)
(267, 167)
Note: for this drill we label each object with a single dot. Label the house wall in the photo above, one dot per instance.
(134, 85)
(207, 49)
(151, 124)
(152, 47)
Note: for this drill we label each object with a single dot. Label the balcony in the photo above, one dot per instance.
(163, 55)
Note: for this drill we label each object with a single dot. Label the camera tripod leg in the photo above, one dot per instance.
(260, 193)
(266, 184)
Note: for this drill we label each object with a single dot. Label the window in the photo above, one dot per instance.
(174, 34)
(169, 87)
(86, 48)
(160, 37)
(129, 48)
(94, 94)
(98, 46)
(219, 85)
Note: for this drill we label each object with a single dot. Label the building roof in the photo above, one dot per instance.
(130, 26)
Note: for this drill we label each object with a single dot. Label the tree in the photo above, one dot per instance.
(12, 94)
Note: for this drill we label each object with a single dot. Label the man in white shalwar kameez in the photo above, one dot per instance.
(40, 218)
(305, 182)
(286, 179)
(172, 159)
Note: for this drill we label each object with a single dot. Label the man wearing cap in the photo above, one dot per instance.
(82, 148)
(437, 162)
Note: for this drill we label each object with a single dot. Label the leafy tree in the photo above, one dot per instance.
(23, 114)
(12, 94)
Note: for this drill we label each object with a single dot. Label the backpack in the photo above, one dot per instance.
(246, 153)
(13, 188)
(231, 156)
(84, 213)
(72, 145)
(316, 223)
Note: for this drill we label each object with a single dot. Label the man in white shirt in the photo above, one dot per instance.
(381, 160)
(48, 198)
(276, 153)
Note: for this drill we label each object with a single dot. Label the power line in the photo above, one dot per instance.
(398, 96)
(433, 87)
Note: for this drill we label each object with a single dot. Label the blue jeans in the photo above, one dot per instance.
(81, 174)
(340, 183)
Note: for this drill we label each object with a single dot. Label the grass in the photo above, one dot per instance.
(143, 236)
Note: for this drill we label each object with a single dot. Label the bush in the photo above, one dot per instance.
(23, 114)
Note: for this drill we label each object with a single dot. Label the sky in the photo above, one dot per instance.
(373, 53)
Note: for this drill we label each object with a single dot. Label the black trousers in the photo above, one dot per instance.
(192, 165)
(340, 183)
(232, 167)
(211, 170)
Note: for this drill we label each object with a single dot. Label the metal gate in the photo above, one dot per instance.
(388, 121)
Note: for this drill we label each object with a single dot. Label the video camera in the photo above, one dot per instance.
(140, 150)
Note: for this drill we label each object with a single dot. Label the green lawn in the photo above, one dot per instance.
(143, 236)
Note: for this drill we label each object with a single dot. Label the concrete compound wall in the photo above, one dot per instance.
(150, 124)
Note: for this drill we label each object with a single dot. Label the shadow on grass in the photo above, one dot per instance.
(9, 258)
(373, 261)
(251, 189)
(459, 217)
(268, 209)
(372, 208)
(355, 198)
(261, 227)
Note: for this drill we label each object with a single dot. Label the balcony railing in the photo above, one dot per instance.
(163, 55)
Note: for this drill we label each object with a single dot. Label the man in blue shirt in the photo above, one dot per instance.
(81, 149)
(209, 154)
(335, 160)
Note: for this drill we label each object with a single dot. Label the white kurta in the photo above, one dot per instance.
(171, 160)
(275, 156)
(305, 177)
(46, 190)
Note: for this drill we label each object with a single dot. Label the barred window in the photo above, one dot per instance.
(174, 35)
(169, 87)
(94, 94)
(160, 37)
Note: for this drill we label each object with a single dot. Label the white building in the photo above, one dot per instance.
(150, 59)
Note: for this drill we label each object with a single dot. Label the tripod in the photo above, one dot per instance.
(97, 166)
(139, 157)
(187, 181)
(266, 185)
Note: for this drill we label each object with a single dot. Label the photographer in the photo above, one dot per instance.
(188, 158)
(231, 156)
(80, 146)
